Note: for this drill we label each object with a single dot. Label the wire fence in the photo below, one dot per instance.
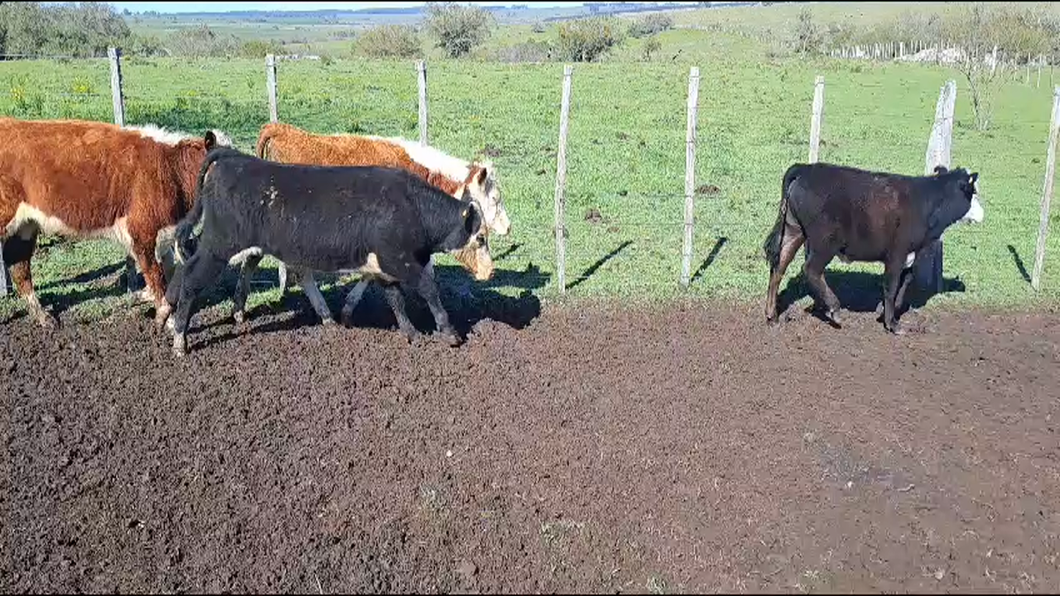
(625, 200)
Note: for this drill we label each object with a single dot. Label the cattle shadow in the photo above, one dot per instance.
(96, 275)
(1019, 264)
(711, 257)
(466, 301)
(859, 291)
(596, 266)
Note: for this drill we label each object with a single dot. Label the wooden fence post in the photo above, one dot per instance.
(118, 103)
(270, 84)
(928, 271)
(561, 183)
(690, 175)
(421, 77)
(815, 118)
(1047, 192)
(1041, 58)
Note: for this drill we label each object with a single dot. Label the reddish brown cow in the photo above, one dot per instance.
(83, 179)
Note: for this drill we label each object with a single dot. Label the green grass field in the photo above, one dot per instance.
(626, 155)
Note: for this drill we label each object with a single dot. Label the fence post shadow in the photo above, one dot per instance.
(600, 263)
(1019, 264)
(711, 257)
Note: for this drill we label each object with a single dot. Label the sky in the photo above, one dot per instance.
(178, 7)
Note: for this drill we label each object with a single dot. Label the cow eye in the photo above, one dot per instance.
(481, 240)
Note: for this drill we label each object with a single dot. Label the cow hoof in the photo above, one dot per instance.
(772, 320)
(833, 315)
(896, 329)
(48, 321)
(239, 317)
(327, 322)
(452, 340)
(180, 347)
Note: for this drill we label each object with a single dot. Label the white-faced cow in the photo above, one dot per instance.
(384, 223)
(84, 179)
(866, 216)
(464, 180)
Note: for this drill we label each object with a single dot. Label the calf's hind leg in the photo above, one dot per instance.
(814, 270)
(200, 271)
(789, 247)
(396, 300)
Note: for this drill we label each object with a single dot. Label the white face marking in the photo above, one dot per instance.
(975, 211)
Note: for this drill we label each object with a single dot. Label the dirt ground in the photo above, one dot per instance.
(596, 448)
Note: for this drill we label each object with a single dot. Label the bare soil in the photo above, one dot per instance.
(592, 448)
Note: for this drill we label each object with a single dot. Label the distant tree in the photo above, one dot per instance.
(78, 30)
(389, 41)
(651, 45)
(457, 28)
(585, 40)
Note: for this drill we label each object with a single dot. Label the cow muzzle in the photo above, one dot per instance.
(975, 212)
(476, 260)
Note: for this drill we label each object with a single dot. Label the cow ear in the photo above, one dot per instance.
(940, 170)
(481, 175)
(973, 178)
(211, 140)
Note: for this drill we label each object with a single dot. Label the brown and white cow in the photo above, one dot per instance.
(82, 179)
(288, 144)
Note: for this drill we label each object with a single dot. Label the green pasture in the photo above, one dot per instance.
(626, 157)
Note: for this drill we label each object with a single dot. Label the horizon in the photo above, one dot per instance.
(227, 7)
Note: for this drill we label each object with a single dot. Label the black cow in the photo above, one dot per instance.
(861, 215)
(384, 223)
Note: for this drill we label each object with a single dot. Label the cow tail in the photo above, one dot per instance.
(263, 142)
(775, 240)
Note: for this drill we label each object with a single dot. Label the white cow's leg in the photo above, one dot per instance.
(309, 286)
(352, 299)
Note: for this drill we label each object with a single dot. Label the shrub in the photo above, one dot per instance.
(458, 28)
(585, 40)
(651, 24)
(528, 51)
(389, 41)
(651, 45)
(259, 48)
(202, 42)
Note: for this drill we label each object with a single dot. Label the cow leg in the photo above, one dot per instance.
(352, 299)
(18, 250)
(239, 299)
(132, 282)
(793, 240)
(428, 288)
(200, 271)
(281, 272)
(903, 285)
(893, 271)
(396, 300)
(153, 279)
(814, 271)
(309, 286)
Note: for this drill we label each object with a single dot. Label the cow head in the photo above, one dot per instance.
(481, 183)
(970, 188)
(959, 199)
(469, 244)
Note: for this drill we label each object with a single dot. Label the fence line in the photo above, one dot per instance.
(815, 118)
(690, 176)
(421, 78)
(561, 183)
(929, 270)
(1047, 191)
